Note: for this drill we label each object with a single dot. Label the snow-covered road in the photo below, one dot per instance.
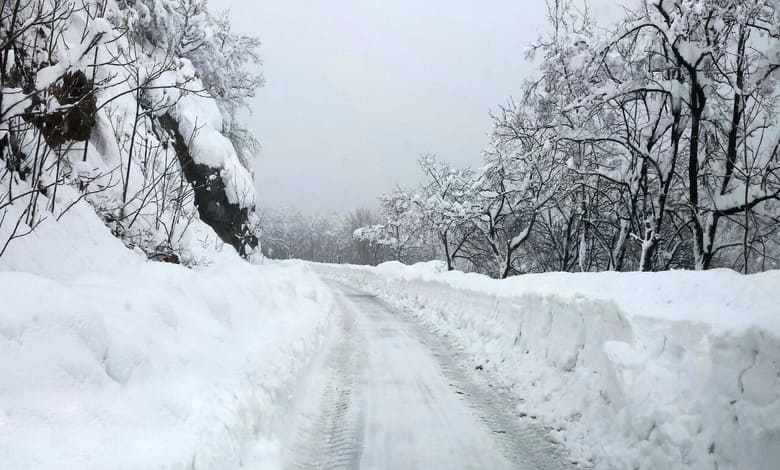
(386, 394)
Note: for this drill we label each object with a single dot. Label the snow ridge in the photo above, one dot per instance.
(112, 361)
(638, 378)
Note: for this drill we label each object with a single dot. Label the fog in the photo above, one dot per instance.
(357, 90)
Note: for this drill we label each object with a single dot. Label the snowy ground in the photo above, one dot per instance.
(110, 361)
(387, 395)
(632, 370)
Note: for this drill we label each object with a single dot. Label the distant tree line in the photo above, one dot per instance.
(650, 144)
(288, 233)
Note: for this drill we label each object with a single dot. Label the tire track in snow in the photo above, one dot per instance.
(523, 441)
(389, 393)
(330, 429)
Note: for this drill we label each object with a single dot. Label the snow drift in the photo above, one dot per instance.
(111, 361)
(629, 370)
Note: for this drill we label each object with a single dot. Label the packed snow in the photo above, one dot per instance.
(628, 370)
(387, 394)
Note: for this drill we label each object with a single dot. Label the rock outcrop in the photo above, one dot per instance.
(228, 220)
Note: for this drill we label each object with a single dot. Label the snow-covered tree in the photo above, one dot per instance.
(115, 103)
(227, 63)
(648, 144)
(520, 178)
(446, 206)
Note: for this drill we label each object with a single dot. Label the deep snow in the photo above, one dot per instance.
(110, 361)
(629, 370)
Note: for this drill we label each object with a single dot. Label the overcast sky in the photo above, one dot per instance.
(358, 89)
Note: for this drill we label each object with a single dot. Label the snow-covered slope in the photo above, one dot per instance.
(630, 370)
(120, 132)
(111, 361)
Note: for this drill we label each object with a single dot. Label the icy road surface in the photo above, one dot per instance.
(386, 395)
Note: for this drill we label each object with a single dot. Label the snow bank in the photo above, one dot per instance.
(630, 370)
(110, 361)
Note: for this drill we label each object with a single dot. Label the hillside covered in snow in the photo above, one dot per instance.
(112, 361)
(119, 143)
(130, 107)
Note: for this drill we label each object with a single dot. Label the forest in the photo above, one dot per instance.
(648, 144)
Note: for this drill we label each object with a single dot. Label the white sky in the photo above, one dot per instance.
(356, 90)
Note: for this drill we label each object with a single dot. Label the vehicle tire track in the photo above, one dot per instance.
(390, 393)
(522, 440)
(329, 434)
